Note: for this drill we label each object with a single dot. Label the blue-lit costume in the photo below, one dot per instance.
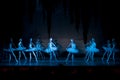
(21, 49)
(107, 49)
(71, 49)
(90, 50)
(113, 50)
(39, 49)
(51, 50)
(32, 49)
(11, 50)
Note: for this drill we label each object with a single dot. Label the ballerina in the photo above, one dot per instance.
(11, 50)
(39, 48)
(71, 49)
(88, 51)
(21, 49)
(51, 50)
(32, 49)
(91, 49)
(107, 49)
(113, 50)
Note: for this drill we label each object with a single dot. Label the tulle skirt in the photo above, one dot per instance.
(89, 49)
(72, 50)
(21, 48)
(95, 50)
(106, 48)
(115, 50)
(39, 49)
(30, 50)
(9, 50)
(48, 50)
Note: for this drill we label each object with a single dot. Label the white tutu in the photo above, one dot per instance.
(89, 49)
(54, 49)
(95, 50)
(48, 50)
(106, 48)
(21, 48)
(32, 49)
(115, 50)
(9, 50)
(39, 49)
(72, 50)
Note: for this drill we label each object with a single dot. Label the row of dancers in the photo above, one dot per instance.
(37, 50)
(110, 49)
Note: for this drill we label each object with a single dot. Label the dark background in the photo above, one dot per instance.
(62, 20)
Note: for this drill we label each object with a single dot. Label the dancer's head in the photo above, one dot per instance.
(30, 39)
(11, 39)
(20, 39)
(50, 39)
(37, 40)
(93, 40)
(113, 39)
(71, 40)
(108, 41)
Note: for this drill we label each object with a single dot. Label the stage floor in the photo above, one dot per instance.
(61, 62)
(46, 70)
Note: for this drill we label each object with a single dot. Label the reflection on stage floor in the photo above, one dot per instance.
(61, 62)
